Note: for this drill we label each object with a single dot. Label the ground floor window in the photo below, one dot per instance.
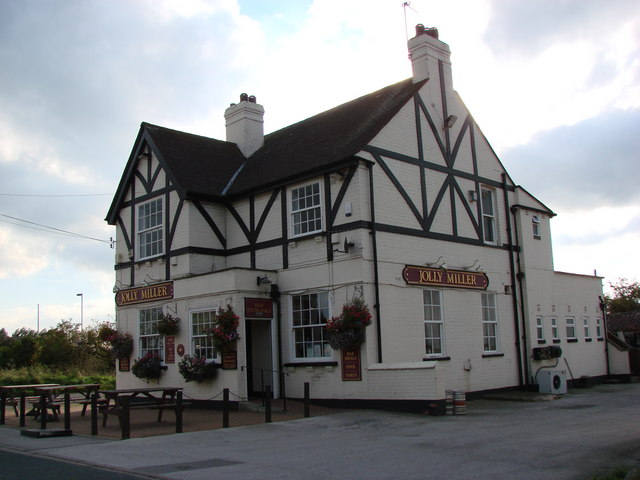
(570, 328)
(554, 329)
(150, 340)
(587, 330)
(599, 328)
(310, 313)
(433, 322)
(489, 323)
(540, 329)
(201, 342)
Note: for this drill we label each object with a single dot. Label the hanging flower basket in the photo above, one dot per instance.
(168, 325)
(121, 344)
(224, 332)
(197, 369)
(345, 339)
(148, 367)
(347, 330)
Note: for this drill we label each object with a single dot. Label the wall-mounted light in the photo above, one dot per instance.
(262, 279)
(345, 246)
(450, 121)
(472, 265)
(432, 264)
(473, 196)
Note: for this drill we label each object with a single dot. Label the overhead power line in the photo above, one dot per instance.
(51, 229)
(55, 195)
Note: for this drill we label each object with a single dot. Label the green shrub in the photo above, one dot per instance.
(42, 374)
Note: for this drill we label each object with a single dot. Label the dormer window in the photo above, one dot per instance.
(306, 209)
(150, 229)
(535, 223)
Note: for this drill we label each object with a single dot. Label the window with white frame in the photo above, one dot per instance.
(585, 323)
(540, 329)
(150, 340)
(599, 328)
(309, 313)
(554, 329)
(202, 343)
(570, 325)
(433, 322)
(535, 224)
(489, 323)
(150, 229)
(488, 216)
(306, 209)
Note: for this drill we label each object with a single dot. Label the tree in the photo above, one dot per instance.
(625, 298)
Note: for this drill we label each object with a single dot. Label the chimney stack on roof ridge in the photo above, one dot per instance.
(425, 52)
(245, 124)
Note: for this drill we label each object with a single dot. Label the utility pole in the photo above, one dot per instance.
(81, 309)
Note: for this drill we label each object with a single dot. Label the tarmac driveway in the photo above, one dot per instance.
(585, 432)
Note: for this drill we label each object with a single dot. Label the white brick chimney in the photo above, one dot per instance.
(425, 50)
(245, 124)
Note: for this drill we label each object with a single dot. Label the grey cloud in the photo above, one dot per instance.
(526, 27)
(591, 164)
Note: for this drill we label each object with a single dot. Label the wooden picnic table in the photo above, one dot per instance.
(82, 391)
(143, 397)
(11, 394)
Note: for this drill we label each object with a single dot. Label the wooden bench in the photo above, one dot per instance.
(86, 402)
(117, 410)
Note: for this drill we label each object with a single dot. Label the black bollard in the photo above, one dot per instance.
(267, 409)
(94, 414)
(306, 400)
(225, 408)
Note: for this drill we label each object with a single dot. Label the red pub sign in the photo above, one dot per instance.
(438, 277)
(258, 308)
(159, 291)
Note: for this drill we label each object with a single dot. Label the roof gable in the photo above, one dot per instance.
(198, 166)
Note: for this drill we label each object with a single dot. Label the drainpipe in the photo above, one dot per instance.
(376, 280)
(605, 333)
(516, 320)
(275, 296)
(520, 276)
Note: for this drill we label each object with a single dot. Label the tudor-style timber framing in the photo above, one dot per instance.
(382, 198)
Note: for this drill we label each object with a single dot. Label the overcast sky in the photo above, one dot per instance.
(553, 84)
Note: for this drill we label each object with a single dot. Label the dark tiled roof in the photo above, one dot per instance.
(322, 140)
(210, 168)
(200, 165)
(624, 322)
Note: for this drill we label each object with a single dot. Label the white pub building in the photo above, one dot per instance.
(396, 198)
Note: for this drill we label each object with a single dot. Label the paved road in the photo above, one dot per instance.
(20, 466)
(585, 432)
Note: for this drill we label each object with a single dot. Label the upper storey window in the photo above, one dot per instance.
(150, 229)
(488, 216)
(306, 210)
(535, 223)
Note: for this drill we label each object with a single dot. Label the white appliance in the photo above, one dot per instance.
(552, 381)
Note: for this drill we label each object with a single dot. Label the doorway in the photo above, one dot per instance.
(259, 357)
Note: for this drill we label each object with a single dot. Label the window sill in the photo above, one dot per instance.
(308, 363)
(490, 355)
(572, 340)
(307, 236)
(430, 359)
